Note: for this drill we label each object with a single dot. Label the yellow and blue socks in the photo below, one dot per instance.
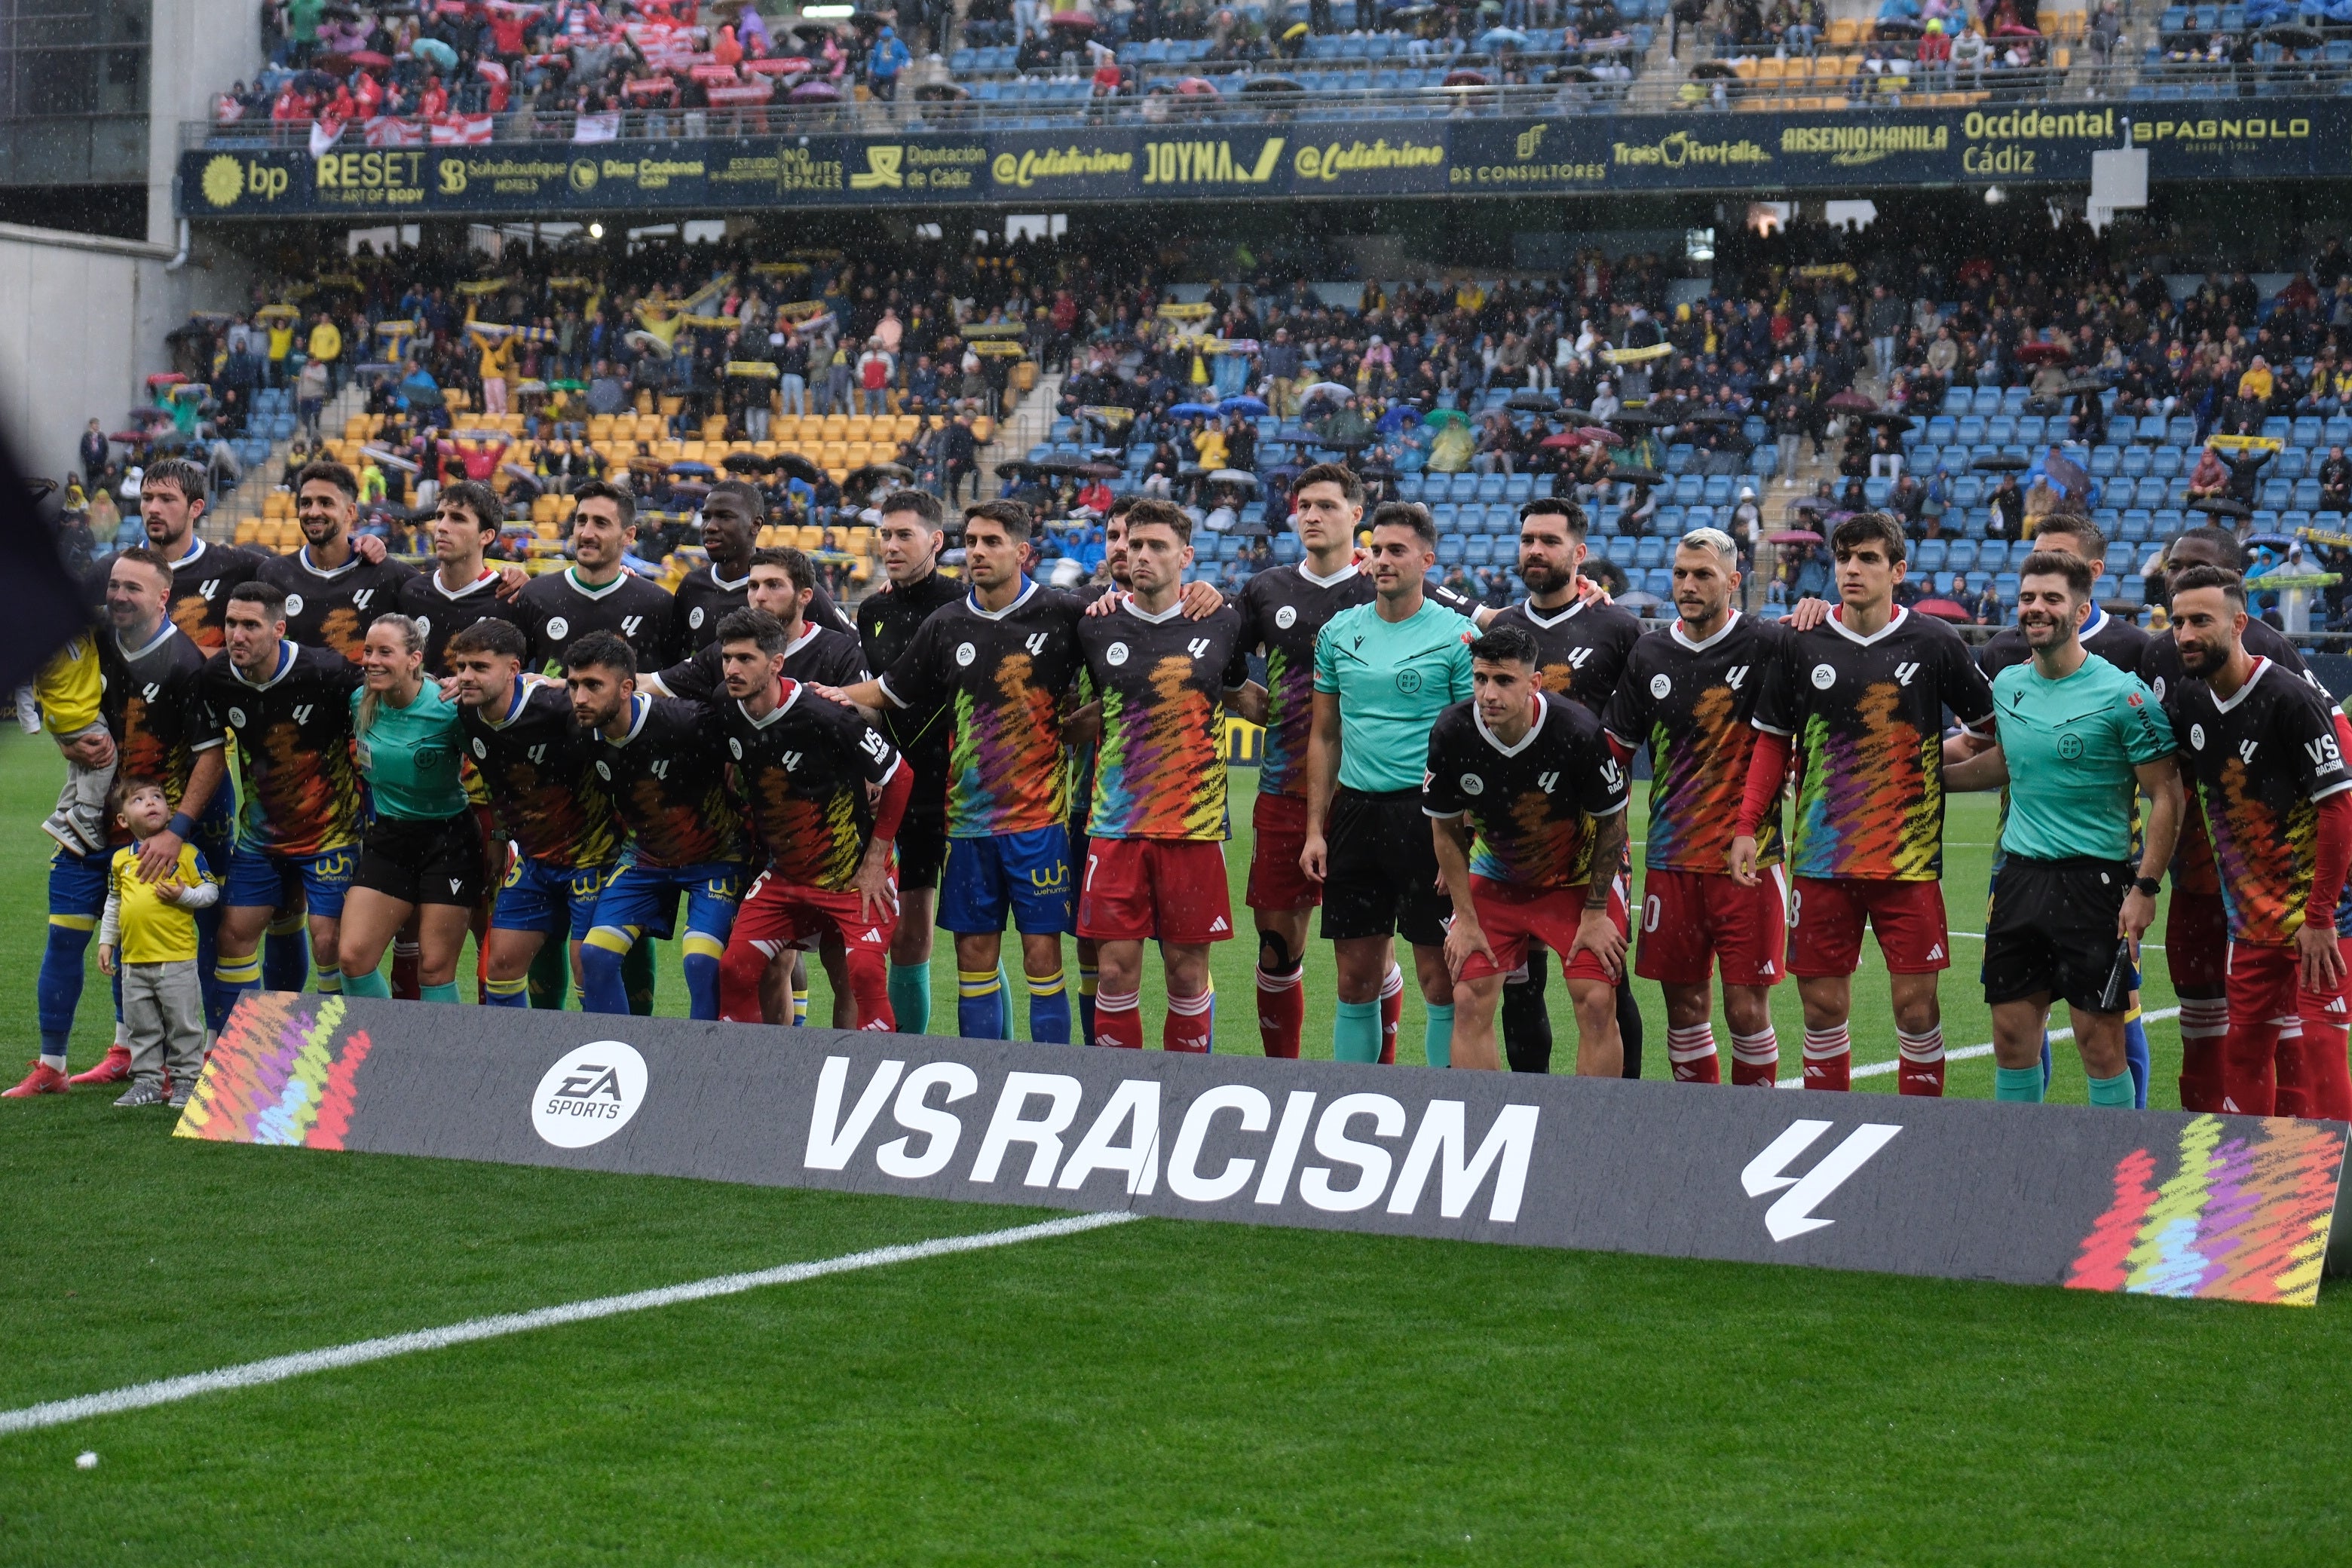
(1049, 1008)
(799, 1006)
(236, 977)
(2136, 1057)
(911, 998)
(603, 988)
(703, 953)
(1090, 982)
(1356, 1032)
(515, 993)
(2022, 1086)
(981, 1013)
(58, 990)
(330, 983)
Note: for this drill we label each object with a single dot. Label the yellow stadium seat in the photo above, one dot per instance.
(670, 406)
(809, 537)
(834, 427)
(714, 428)
(248, 531)
(1844, 31)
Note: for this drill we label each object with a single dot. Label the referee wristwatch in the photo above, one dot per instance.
(2150, 886)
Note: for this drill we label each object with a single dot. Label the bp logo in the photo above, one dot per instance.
(237, 720)
(2070, 748)
(695, 620)
(1408, 681)
(1114, 655)
(558, 628)
(293, 605)
(1286, 616)
(481, 752)
(1660, 685)
(583, 174)
(589, 1094)
(966, 653)
(1824, 677)
(223, 181)
(2196, 731)
(1473, 784)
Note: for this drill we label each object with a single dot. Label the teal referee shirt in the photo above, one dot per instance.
(1393, 678)
(2072, 747)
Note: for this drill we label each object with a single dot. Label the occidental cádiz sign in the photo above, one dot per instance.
(2262, 139)
(2159, 1204)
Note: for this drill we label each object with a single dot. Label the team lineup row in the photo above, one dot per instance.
(403, 743)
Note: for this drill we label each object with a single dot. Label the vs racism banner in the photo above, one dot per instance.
(1274, 156)
(2226, 1208)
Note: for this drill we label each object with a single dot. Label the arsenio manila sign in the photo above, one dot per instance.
(2156, 1204)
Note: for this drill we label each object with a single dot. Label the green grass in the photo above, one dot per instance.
(1155, 1392)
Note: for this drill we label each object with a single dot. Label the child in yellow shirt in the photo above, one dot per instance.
(152, 927)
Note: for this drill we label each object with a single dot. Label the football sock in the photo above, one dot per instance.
(445, 993)
(1281, 1011)
(1356, 1032)
(286, 956)
(638, 978)
(703, 953)
(2136, 1057)
(2048, 1064)
(1921, 1070)
(216, 1000)
(911, 998)
(515, 993)
(1439, 1045)
(980, 1003)
(406, 986)
(1692, 1053)
(1118, 1020)
(2288, 1095)
(57, 993)
(1828, 1057)
(1049, 1008)
(2022, 1085)
(1527, 1021)
(1391, 1014)
(371, 983)
(1090, 982)
(237, 975)
(550, 979)
(2204, 1023)
(601, 987)
(1756, 1059)
(1629, 1025)
(799, 1006)
(330, 983)
(1190, 1025)
(2115, 1090)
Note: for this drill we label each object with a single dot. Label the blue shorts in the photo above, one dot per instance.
(549, 899)
(643, 900)
(1027, 872)
(263, 878)
(78, 889)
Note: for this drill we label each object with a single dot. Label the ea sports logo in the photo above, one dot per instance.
(237, 720)
(695, 620)
(2070, 748)
(1824, 677)
(1660, 685)
(966, 653)
(293, 605)
(604, 772)
(425, 626)
(1473, 784)
(735, 748)
(481, 752)
(2196, 735)
(559, 628)
(589, 1094)
(1286, 616)
(1114, 655)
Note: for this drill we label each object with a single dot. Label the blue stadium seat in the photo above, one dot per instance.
(1650, 552)
(2105, 462)
(2032, 430)
(1962, 556)
(2000, 429)
(1718, 490)
(1971, 431)
(1876, 490)
(2136, 460)
(1688, 489)
(1933, 554)
(1519, 487)
(1700, 517)
(1490, 486)
(1621, 549)
(1412, 487)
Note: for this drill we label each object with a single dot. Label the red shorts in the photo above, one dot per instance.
(1509, 915)
(1826, 916)
(777, 916)
(2197, 939)
(1172, 889)
(2285, 1052)
(1690, 920)
(1275, 882)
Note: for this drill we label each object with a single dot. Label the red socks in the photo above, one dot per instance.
(1118, 1020)
(1829, 1059)
(1692, 1051)
(1391, 1012)
(1188, 1025)
(2204, 1023)
(1756, 1059)
(1281, 1011)
(405, 961)
(1921, 1068)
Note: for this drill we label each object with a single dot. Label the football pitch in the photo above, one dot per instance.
(1150, 1392)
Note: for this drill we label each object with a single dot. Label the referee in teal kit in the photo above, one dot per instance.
(2079, 740)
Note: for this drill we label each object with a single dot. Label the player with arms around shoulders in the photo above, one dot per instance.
(1860, 700)
(2262, 750)
(462, 587)
(597, 593)
(1690, 696)
(1155, 860)
(824, 794)
(1384, 671)
(2077, 739)
(333, 590)
(1527, 781)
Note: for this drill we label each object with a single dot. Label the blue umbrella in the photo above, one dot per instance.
(433, 51)
(1251, 406)
(1401, 416)
(1193, 410)
(1495, 37)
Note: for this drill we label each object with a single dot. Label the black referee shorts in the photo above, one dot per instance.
(1381, 877)
(429, 861)
(2052, 930)
(922, 849)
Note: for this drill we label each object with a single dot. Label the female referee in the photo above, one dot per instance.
(423, 853)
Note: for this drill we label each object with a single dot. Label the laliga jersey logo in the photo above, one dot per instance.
(1199, 648)
(1792, 1214)
(2246, 751)
(360, 599)
(1544, 781)
(1286, 616)
(208, 587)
(536, 754)
(150, 692)
(1608, 776)
(1904, 672)
(792, 760)
(1736, 677)
(1114, 655)
(660, 770)
(629, 625)
(589, 1094)
(303, 714)
(1035, 643)
(1577, 657)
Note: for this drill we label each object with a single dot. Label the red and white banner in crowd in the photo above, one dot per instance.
(604, 127)
(461, 129)
(324, 133)
(392, 131)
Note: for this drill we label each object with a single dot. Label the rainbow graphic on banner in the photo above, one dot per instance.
(280, 1072)
(2244, 1216)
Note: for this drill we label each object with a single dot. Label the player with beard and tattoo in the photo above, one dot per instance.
(1583, 642)
(1082, 772)
(597, 593)
(732, 515)
(333, 591)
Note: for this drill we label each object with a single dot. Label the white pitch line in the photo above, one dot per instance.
(278, 1369)
(1880, 1069)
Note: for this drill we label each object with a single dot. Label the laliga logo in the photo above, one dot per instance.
(589, 1094)
(1792, 1214)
